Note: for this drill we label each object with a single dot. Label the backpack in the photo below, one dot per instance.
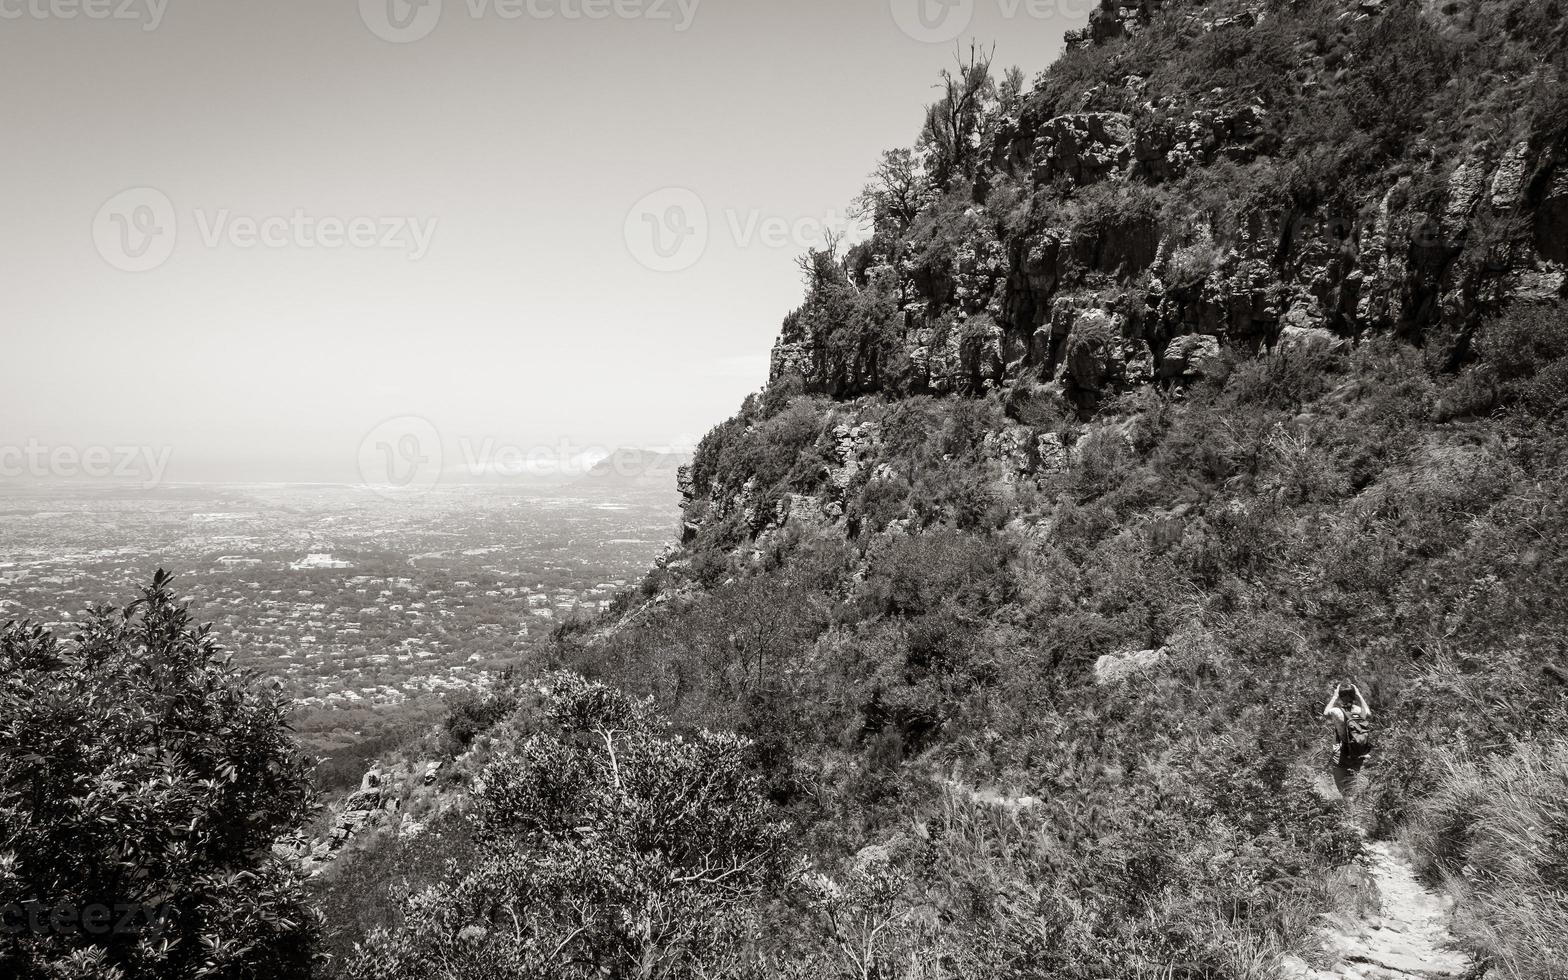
(1357, 743)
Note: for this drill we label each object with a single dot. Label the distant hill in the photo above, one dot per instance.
(634, 471)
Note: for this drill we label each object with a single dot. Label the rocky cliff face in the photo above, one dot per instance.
(1190, 183)
(1106, 221)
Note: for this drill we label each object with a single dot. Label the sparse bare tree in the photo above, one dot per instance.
(896, 192)
(954, 121)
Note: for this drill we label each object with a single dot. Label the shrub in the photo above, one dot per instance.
(370, 887)
(1102, 462)
(472, 712)
(606, 845)
(1287, 380)
(142, 770)
(1523, 364)
(915, 574)
(1189, 265)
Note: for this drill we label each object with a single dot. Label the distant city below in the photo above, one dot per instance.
(364, 605)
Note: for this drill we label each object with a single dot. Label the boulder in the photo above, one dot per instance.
(876, 856)
(1114, 19)
(852, 444)
(1508, 181)
(1093, 347)
(1190, 356)
(1169, 149)
(1293, 338)
(1539, 285)
(1010, 447)
(1465, 186)
(1052, 452)
(1135, 362)
(791, 359)
(364, 800)
(1116, 667)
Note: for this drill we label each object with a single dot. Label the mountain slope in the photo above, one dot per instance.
(1231, 350)
(1226, 359)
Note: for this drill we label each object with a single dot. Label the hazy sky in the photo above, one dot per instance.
(345, 212)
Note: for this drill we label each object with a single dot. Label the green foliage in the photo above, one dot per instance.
(900, 600)
(914, 574)
(1401, 62)
(955, 123)
(472, 712)
(606, 846)
(1104, 462)
(1297, 518)
(1523, 363)
(141, 769)
(975, 802)
(908, 662)
(771, 450)
(369, 887)
(1285, 380)
(896, 194)
(1191, 264)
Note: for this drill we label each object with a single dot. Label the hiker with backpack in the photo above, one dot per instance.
(1352, 720)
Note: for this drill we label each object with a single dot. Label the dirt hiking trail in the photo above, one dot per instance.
(1401, 934)
(1399, 931)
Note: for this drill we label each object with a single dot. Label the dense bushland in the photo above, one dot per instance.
(929, 772)
(927, 662)
(603, 846)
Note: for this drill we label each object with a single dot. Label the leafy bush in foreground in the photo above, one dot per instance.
(139, 770)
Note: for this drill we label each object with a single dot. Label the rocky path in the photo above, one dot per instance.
(1399, 932)
(1405, 938)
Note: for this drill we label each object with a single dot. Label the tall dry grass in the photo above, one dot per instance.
(1496, 832)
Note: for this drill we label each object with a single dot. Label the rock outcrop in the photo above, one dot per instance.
(1116, 667)
(1115, 19)
(383, 802)
(1076, 221)
(1121, 227)
(1083, 148)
